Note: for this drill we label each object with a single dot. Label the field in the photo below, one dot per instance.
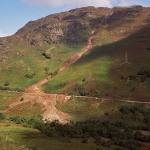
(82, 109)
(14, 137)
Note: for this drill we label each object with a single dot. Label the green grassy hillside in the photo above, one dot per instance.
(119, 69)
(22, 65)
(5, 99)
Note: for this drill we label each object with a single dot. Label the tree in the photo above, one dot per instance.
(6, 83)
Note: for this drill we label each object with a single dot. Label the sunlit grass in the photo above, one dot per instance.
(95, 70)
(6, 98)
(26, 60)
(82, 109)
(16, 137)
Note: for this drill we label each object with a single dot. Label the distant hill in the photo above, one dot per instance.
(118, 65)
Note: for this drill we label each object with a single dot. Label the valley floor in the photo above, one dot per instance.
(15, 137)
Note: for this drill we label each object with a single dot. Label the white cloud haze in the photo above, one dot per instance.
(128, 2)
(80, 3)
(74, 3)
(2, 34)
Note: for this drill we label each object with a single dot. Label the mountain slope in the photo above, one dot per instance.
(93, 52)
(118, 65)
(43, 46)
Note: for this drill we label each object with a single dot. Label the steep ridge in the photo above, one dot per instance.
(74, 26)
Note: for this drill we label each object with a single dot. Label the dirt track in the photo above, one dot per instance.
(34, 94)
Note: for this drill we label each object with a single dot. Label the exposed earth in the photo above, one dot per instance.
(34, 94)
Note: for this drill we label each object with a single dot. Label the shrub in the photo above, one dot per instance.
(148, 49)
(30, 75)
(5, 88)
(26, 122)
(21, 99)
(47, 55)
(106, 133)
(6, 83)
(2, 116)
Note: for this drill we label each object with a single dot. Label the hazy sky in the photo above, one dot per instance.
(15, 13)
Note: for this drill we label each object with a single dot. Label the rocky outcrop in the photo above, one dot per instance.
(75, 25)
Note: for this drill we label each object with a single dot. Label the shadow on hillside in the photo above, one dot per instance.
(132, 44)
